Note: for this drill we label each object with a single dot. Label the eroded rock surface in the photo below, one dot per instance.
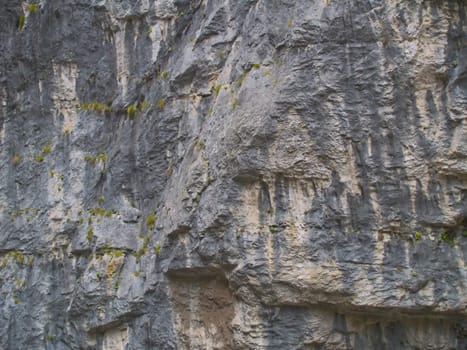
(220, 174)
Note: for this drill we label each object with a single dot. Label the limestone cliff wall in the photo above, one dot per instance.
(233, 174)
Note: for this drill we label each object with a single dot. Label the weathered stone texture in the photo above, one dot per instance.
(225, 174)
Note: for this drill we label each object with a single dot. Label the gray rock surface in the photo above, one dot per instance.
(225, 174)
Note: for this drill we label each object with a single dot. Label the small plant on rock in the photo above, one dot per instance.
(157, 249)
(199, 145)
(131, 111)
(16, 159)
(217, 89)
(118, 253)
(164, 75)
(161, 104)
(32, 8)
(90, 235)
(39, 158)
(151, 220)
(102, 157)
(143, 106)
(242, 78)
(17, 256)
(21, 21)
(98, 107)
(47, 148)
(90, 159)
(447, 238)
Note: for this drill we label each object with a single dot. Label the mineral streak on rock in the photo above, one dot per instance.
(226, 174)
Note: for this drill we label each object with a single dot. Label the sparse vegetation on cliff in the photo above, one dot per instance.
(32, 8)
(98, 107)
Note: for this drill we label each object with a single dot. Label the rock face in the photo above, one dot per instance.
(226, 174)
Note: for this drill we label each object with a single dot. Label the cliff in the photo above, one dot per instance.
(226, 174)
